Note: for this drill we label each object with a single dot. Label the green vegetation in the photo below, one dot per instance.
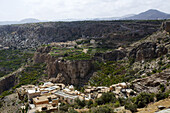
(31, 75)
(81, 56)
(108, 102)
(111, 73)
(106, 98)
(11, 60)
(70, 53)
(5, 93)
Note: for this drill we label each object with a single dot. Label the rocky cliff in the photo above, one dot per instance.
(66, 71)
(152, 84)
(147, 51)
(9, 81)
(34, 35)
(110, 56)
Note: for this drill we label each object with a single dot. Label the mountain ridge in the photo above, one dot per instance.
(151, 14)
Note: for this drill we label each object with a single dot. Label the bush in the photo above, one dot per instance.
(143, 99)
(104, 109)
(160, 96)
(89, 103)
(80, 103)
(72, 111)
(64, 107)
(5, 93)
(162, 87)
(106, 98)
(131, 107)
(117, 104)
(122, 101)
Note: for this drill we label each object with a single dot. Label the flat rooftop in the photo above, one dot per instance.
(65, 95)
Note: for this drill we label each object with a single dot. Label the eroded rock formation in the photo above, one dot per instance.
(110, 56)
(147, 50)
(67, 71)
(152, 83)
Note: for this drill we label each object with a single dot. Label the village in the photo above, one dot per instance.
(49, 96)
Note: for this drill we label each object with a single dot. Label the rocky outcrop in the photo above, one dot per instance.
(70, 72)
(9, 81)
(114, 55)
(166, 26)
(42, 56)
(110, 56)
(147, 50)
(66, 71)
(152, 83)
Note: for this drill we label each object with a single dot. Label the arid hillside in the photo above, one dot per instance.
(34, 35)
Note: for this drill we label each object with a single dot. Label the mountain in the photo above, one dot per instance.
(151, 14)
(114, 18)
(27, 20)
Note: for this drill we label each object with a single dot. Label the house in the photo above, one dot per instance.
(64, 97)
(40, 100)
(51, 99)
(33, 93)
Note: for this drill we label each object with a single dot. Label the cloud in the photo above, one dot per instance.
(63, 9)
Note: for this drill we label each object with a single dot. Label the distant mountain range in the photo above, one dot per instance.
(151, 14)
(28, 20)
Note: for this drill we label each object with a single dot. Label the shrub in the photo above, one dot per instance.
(89, 103)
(64, 107)
(130, 106)
(143, 99)
(106, 98)
(80, 103)
(72, 111)
(117, 104)
(104, 109)
(162, 87)
(160, 96)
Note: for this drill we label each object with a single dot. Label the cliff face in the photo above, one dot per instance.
(110, 56)
(148, 50)
(73, 72)
(33, 35)
(9, 81)
(66, 71)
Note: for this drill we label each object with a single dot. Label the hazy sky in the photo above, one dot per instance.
(80, 9)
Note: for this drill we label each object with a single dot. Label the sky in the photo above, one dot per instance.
(51, 10)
